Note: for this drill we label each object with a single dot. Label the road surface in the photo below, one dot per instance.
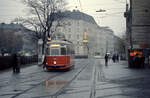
(89, 79)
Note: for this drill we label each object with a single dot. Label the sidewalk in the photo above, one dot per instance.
(123, 82)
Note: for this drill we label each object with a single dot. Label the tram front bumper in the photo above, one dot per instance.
(57, 66)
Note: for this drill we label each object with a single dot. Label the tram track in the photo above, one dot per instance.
(61, 90)
(93, 83)
(75, 76)
(50, 78)
(18, 94)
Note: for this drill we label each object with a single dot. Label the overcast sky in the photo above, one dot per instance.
(113, 17)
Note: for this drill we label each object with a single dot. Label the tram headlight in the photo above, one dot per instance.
(54, 62)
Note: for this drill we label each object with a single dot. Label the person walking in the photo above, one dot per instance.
(114, 58)
(44, 63)
(16, 67)
(137, 62)
(106, 60)
(117, 58)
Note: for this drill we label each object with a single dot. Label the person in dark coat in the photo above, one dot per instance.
(44, 62)
(117, 58)
(16, 67)
(137, 61)
(142, 62)
(114, 58)
(106, 60)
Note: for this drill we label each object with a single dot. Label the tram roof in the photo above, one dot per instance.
(59, 42)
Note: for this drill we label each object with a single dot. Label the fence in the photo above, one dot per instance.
(6, 61)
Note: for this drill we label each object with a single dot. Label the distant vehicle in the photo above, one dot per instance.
(59, 55)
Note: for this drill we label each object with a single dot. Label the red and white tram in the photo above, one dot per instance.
(59, 55)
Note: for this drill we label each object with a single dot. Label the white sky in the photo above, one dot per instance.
(113, 17)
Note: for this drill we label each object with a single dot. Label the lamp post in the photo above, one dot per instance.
(128, 16)
(101, 10)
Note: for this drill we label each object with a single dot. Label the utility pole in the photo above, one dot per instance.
(106, 46)
(130, 25)
(128, 16)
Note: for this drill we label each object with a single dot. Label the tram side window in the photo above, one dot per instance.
(54, 52)
(63, 51)
(68, 50)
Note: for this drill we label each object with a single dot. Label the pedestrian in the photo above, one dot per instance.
(106, 60)
(44, 62)
(18, 63)
(114, 58)
(16, 67)
(137, 61)
(117, 58)
(14, 62)
(142, 62)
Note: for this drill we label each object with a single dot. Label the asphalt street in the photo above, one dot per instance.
(89, 79)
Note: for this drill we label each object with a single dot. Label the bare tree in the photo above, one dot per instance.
(42, 15)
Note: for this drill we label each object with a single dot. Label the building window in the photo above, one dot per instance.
(69, 23)
(78, 36)
(69, 29)
(78, 30)
(69, 36)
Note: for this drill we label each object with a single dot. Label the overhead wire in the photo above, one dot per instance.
(80, 5)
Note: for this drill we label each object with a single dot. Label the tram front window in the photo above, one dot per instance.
(54, 52)
(63, 51)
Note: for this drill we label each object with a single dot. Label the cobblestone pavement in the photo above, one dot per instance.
(89, 79)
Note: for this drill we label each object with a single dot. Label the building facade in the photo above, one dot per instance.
(138, 24)
(16, 38)
(86, 35)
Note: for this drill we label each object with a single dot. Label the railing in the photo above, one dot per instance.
(6, 61)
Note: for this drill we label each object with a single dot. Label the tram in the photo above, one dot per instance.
(59, 55)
